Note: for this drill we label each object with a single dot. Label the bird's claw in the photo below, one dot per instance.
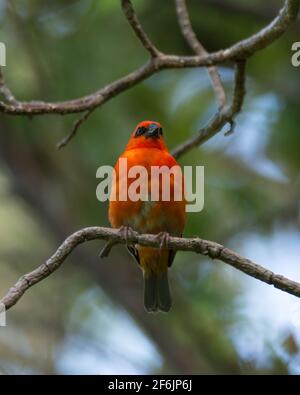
(125, 232)
(164, 238)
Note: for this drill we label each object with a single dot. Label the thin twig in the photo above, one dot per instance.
(139, 31)
(208, 248)
(191, 38)
(106, 249)
(219, 120)
(71, 135)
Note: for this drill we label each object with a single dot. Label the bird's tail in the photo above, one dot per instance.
(157, 292)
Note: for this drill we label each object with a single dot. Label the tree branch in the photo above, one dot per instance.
(208, 248)
(136, 26)
(221, 118)
(74, 130)
(241, 50)
(197, 47)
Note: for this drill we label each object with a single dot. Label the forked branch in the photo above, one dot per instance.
(191, 38)
(241, 50)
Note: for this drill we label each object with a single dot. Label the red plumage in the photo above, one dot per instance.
(147, 148)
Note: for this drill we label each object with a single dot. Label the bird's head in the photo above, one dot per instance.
(147, 134)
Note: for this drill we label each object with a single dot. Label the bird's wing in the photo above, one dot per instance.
(171, 257)
(134, 252)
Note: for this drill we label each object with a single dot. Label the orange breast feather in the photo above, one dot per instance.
(148, 216)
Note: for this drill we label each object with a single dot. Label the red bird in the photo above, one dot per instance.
(147, 148)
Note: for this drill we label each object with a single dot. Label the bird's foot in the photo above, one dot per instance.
(125, 232)
(164, 238)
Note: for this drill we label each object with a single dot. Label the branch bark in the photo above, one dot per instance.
(241, 50)
(221, 118)
(137, 28)
(208, 248)
(191, 38)
(62, 143)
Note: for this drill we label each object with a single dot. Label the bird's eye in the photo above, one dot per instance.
(139, 131)
(160, 131)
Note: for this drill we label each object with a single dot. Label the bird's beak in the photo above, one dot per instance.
(152, 131)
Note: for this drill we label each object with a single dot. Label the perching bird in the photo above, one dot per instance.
(147, 148)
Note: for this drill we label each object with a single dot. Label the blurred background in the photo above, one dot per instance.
(88, 317)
